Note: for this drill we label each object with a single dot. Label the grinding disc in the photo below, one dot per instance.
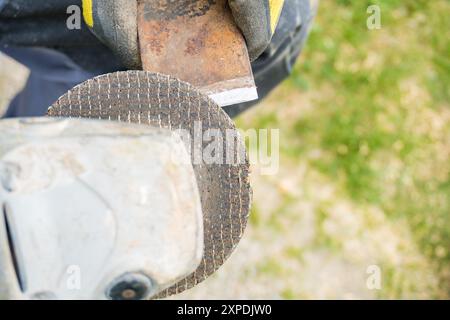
(163, 101)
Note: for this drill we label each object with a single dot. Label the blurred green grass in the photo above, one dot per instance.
(380, 119)
(365, 162)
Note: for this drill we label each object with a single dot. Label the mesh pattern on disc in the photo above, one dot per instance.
(166, 102)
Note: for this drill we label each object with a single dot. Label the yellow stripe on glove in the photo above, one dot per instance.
(87, 13)
(275, 7)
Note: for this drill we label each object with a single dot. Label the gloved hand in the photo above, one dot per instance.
(32, 23)
(115, 23)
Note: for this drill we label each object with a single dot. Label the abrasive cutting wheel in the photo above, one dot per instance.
(163, 101)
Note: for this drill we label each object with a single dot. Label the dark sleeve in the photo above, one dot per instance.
(43, 23)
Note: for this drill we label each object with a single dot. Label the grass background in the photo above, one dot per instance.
(368, 111)
(365, 163)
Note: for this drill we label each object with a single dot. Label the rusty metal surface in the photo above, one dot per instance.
(196, 41)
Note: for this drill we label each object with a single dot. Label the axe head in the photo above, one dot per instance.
(197, 42)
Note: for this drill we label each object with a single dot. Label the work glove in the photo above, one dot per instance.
(257, 20)
(115, 23)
